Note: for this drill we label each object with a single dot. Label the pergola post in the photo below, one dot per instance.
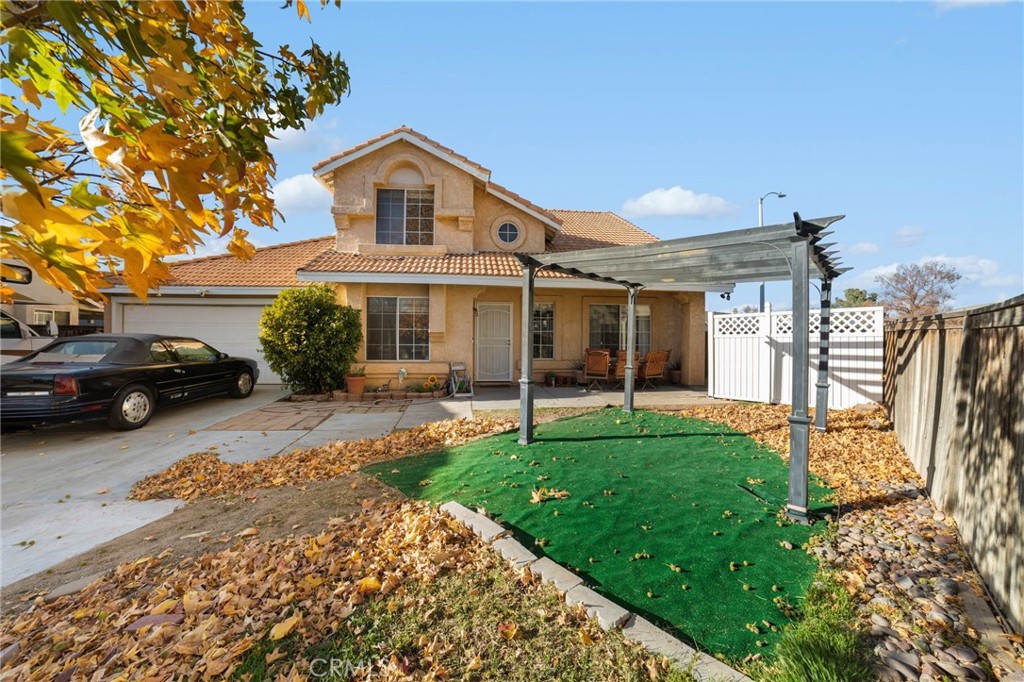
(526, 350)
(799, 422)
(821, 404)
(627, 392)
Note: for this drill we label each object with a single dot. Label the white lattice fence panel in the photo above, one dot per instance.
(751, 356)
(738, 325)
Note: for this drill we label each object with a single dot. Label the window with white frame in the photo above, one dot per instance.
(608, 327)
(544, 331)
(397, 328)
(40, 316)
(405, 216)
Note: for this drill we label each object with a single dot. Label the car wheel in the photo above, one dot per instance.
(243, 385)
(132, 408)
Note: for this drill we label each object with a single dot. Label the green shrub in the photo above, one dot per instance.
(310, 340)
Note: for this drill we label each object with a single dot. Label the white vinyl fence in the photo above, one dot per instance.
(750, 356)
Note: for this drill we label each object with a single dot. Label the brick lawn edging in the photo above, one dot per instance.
(607, 614)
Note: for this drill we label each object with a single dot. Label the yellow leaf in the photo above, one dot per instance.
(368, 585)
(585, 637)
(247, 533)
(300, 6)
(509, 631)
(166, 606)
(284, 627)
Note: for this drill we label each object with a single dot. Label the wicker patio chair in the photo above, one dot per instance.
(653, 369)
(596, 367)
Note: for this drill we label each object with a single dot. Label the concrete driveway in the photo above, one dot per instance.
(51, 504)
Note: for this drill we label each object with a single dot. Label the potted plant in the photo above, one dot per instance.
(355, 380)
(551, 379)
(577, 369)
(674, 374)
(417, 392)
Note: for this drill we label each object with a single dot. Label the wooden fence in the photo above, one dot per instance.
(750, 356)
(953, 386)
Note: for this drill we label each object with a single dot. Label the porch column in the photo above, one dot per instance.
(627, 391)
(821, 405)
(799, 422)
(526, 350)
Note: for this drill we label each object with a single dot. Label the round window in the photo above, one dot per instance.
(508, 233)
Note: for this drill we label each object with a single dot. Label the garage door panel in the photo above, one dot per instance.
(233, 329)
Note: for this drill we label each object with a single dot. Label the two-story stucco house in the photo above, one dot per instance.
(424, 245)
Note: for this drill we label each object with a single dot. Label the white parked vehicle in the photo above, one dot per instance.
(18, 339)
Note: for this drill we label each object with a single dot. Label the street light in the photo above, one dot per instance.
(760, 223)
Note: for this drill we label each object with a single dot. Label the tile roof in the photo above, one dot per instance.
(581, 230)
(402, 129)
(595, 230)
(272, 266)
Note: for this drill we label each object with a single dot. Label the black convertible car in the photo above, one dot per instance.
(118, 377)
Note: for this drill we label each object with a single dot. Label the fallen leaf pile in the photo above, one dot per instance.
(280, 601)
(203, 474)
(198, 619)
(857, 453)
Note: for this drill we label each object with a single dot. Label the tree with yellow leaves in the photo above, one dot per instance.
(175, 100)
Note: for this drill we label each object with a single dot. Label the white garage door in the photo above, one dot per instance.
(233, 329)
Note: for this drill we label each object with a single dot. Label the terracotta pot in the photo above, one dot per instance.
(675, 376)
(355, 384)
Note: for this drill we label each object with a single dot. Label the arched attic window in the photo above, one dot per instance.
(405, 209)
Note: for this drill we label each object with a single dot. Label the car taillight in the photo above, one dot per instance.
(65, 385)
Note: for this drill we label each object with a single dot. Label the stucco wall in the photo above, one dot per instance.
(464, 213)
(677, 323)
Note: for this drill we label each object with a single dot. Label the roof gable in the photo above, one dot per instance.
(325, 169)
(407, 134)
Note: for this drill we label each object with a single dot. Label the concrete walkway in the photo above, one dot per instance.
(64, 489)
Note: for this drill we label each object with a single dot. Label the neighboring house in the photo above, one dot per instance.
(424, 245)
(39, 302)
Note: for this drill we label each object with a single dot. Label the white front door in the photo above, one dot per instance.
(494, 342)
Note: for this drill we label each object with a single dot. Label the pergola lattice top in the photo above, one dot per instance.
(750, 255)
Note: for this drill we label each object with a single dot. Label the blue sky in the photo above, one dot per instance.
(907, 117)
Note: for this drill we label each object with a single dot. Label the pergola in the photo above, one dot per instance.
(793, 251)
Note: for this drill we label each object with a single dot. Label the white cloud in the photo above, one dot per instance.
(318, 135)
(976, 270)
(946, 5)
(301, 194)
(984, 272)
(863, 248)
(676, 201)
(908, 235)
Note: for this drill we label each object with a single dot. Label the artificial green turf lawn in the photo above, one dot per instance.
(659, 485)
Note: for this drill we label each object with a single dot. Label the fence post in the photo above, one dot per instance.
(711, 354)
